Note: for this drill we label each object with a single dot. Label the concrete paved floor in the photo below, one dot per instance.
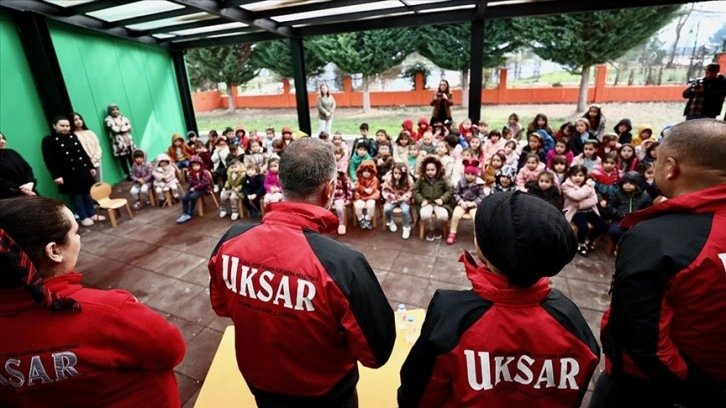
(164, 265)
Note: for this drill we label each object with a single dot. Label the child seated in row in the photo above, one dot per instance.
(588, 157)
(580, 208)
(644, 133)
(609, 144)
(219, 157)
(235, 153)
(426, 144)
(496, 163)
(468, 193)
(459, 167)
(510, 154)
(545, 188)
(232, 190)
(627, 197)
(504, 180)
(432, 192)
(606, 177)
(366, 194)
(561, 148)
(627, 157)
(273, 188)
(360, 154)
(180, 151)
(343, 196)
(559, 167)
(201, 150)
(269, 138)
(384, 161)
(256, 155)
(442, 153)
(530, 171)
(253, 188)
(413, 161)
(401, 146)
(582, 134)
(514, 126)
(622, 129)
(165, 178)
(339, 142)
(535, 144)
(493, 144)
(476, 148)
(371, 144)
(200, 183)
(397, 192)
(142, 174)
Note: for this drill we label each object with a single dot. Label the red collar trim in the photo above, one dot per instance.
(305, 216)
(703, 201)
(496, 288)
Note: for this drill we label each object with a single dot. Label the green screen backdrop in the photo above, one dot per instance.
(99, 70)
(21, 115)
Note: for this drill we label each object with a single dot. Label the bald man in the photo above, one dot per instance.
(664, 337)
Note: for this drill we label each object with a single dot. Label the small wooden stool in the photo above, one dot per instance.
(200, 203)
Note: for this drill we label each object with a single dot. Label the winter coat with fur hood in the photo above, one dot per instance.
(164, 176)
(364, 183)
(580, 198)
(186, 151)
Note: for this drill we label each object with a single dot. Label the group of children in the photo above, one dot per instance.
(594, 176)
(234, 165)
(435, 172)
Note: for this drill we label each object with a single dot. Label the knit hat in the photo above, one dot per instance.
(196, 159)
(15, 261)
(471, 167)
(524, 237)
(286, 130)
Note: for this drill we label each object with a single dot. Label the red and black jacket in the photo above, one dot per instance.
(305, 308)
(499, 346)
(664, 335)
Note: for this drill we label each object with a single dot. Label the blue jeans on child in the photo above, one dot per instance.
(616, 232)
(388, 210)
(83, 205)
(189, 201)
(182, 164)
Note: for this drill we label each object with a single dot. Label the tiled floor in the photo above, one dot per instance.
(164, 266)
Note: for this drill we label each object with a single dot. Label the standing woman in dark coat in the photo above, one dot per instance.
(71, 169)
(442, 102)
(16, 175)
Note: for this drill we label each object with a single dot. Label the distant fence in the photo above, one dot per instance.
(348, 98)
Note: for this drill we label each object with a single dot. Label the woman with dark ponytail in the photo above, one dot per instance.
(69, 344)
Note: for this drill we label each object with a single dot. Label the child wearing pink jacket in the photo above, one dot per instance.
(580, 208)
(530, 171)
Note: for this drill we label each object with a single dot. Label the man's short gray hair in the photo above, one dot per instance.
(305, 167)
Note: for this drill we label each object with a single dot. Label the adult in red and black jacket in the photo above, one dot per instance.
(512, 341)
(664, 336)
(305, 308)
(65, 345)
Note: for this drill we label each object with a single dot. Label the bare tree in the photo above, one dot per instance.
(679, 26)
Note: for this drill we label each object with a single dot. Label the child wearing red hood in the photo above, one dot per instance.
(423, 127)
(407, 125)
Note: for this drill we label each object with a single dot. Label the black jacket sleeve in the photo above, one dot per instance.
(49, 158)
(368, 318)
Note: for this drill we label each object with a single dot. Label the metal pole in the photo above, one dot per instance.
(475, 69)
(185, 94)
(301, 88)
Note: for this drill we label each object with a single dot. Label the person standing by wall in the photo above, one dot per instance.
(89, 141)
(706, 95)
(16, 175)
(314, 304)
(71, 169)
(326, 108)
(664, 333)
(119, 129)
(442, 101)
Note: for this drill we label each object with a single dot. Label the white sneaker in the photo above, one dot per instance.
(406, 232)
(222, 214)
(216, 188)
(86, 222)
(341, 229)
(392, 226)
(235, 215)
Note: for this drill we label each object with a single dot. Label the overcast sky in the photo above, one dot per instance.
(711, 14)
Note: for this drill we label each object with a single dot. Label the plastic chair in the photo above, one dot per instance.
(101, 193)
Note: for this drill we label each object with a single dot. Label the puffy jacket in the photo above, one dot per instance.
(578, 198)
(383, 165)
(164, 175)
(235, 180)
(466, 192)
(524, 175)
(253, 185)
(305, 308)
(393, 193)
(499, 346)
(638, 139)
(552, 195)
(621, 203)
(588, 163)
(199, 180)
(343, 188)
(626, 137)
(424, 189)
(421, 129)
(714, 93)
(115, 352)
(663, 335)
(272, 180)
(605, 184)
(362, 183)
(143, 171)
(490, 148)
(186, 151)
(407, 125)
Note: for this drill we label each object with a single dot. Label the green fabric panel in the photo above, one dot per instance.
(100, 70)
(21, 115)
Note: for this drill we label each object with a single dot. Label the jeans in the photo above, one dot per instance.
(83, 204)
(405, 210)
(582, 219)
(616, 232)
(189, 201)
(182, 164)
(326, 125)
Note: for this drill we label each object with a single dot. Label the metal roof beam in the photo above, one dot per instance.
(215, 42)
(281, 11)
(154, 17)
(60, 14)
(243, 30)
(97, 5)
(185, 26)
(481, 9)
(236, 14)
(544, 8)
